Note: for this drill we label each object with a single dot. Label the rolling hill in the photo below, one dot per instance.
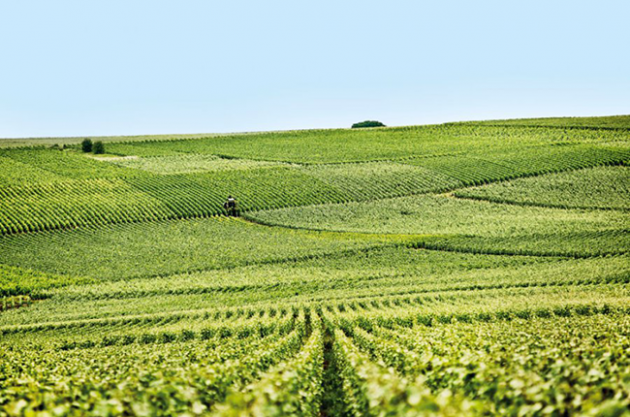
(474, 268)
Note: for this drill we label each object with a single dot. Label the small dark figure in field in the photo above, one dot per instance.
(230, 206)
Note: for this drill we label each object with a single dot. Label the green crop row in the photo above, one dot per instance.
(370, 389)
(293, 388)
(491, 166)
(93, 202)
(390, 357)
(594, 188)
(199, 322)
(204, 194)
(468, 225)
(378, 180)
(165, 248)
(95, 193)
(53, 165)
(129, 296)
(605, 122)
(20, 281)
(72, 204)
(16, 173)
(392, 309)
(342, 290)
(569, 366)
(240, 329)
(156, 379)
(358, 267)
(137, 145)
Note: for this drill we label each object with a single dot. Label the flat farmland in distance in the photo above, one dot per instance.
(475, 268)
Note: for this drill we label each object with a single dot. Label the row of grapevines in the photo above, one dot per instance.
(65, 164)
(199, 321)
(397, 303)
(73, 204)
(468, 225)
(14, 172)
(592, 188)
(21, 281)
(182, 331)
(382, 269)
(378, 180)
(354, 267)
(81, 203)
(293, 388)
(171, 247)
(565, 365)
(604, 122)
(156, 328)
(386, 361)
(500, 164)
(163, 379)
(371, 389)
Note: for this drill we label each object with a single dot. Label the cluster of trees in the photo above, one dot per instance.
(368, 123)
(96, 147)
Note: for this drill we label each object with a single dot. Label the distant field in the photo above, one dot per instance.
(489, 227)
(616, 122)
(477, 268)
(609, 122)
(604, 188)
(21, 142)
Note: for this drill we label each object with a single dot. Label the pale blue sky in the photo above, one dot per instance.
(74, 68)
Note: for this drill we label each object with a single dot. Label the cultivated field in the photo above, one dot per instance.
(477, 268)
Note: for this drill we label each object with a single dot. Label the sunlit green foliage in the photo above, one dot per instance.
(377, 180)
(343, 145)
(606, 122)
(470, 225)
(67, 164)
(17, 281)
(501, 164)
(595, 188)
(459, 269)
(187, 163)
(166, 248)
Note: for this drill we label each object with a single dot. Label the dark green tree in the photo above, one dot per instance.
(98, 148)
(368, 123)
(86, 145)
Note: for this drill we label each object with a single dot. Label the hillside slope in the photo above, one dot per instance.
(477, 268)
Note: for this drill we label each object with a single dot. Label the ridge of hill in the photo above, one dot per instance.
(598, 122)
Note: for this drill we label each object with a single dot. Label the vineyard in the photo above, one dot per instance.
(477, 268)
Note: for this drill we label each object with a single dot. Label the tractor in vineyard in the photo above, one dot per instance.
(231, 206)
